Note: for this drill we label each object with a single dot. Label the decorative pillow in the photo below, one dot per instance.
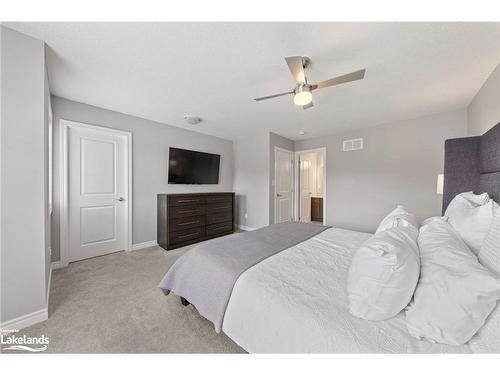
(477, 199)
(383, 274)
(470, 220)
(433, 218)
(489, 255)
(455, 293)
(399, 217)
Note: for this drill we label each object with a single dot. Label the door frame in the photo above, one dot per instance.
(296, 180)
(64, 126)
(276, 148)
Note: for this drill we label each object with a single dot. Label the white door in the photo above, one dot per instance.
(305, 189)
(97, 191)
(319, 174)
(283, 185)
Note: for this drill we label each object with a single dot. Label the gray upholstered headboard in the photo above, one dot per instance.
(472, 164)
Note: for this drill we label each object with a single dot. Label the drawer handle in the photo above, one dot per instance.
(220, 208)
(189, 235)
(220, 226)
(188, 200)
(187, 211)
(190, 222)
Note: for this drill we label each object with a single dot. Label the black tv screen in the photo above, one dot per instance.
(192, 167)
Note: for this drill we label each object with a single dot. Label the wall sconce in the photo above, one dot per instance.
(440, 184)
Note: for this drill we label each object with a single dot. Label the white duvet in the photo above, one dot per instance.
(296, 301)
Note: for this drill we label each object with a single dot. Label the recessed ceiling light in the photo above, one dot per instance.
(192, 120)
(302, 132)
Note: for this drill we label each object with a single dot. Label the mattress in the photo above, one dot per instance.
(296, 302)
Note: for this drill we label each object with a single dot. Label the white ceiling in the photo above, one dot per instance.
(162, 71)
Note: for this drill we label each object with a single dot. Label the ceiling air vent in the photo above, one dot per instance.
(352, 144)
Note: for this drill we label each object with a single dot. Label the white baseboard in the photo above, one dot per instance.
(245, 228)
(25, 320)
(57, 264)
(144, 245)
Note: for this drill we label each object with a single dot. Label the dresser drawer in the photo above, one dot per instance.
(186, 200)
(219, 228)
(219, 198)
(185, 211)
(216, 208)
(187, 235)
(186, 223)
(214, 218)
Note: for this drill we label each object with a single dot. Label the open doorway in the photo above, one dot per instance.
(310, 185)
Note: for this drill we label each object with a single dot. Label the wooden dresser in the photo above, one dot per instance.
(184, 219)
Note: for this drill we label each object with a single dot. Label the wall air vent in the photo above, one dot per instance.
(352, 144)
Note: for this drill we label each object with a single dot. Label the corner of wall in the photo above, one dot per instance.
(23, 249)
(251, 180)
(483, 111)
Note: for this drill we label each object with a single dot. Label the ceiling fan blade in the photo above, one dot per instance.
(296, 66)
(354, 76)
(273, 96)
(307, 106)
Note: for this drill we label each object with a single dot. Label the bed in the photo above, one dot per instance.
(294, 299)
(296, 302)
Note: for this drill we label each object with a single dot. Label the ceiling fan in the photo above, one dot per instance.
(302, 93)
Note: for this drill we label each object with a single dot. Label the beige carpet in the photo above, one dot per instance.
(112, 304)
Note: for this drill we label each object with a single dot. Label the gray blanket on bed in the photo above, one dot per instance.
(205, 275)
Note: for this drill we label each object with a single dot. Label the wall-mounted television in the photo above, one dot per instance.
(192, 167)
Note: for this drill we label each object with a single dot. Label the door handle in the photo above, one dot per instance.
(121, 199)
(279, 195)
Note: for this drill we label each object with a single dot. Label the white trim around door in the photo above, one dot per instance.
(296, 187)
(65, 126)
(144, 245)
(276, 150)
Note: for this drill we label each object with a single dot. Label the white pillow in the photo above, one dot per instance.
(470, 220)
(433, 218)
(399, 217)
(477, 199)
(383, 274)
(487, 339)
(455, 293)
(489, 255)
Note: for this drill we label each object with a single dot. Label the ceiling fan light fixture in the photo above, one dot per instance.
(302, 95)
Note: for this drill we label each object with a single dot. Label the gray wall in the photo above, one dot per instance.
(23, 176)
(251, 180)
(275, 140)
(399, 165)
(151, 141)
(484, 110)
